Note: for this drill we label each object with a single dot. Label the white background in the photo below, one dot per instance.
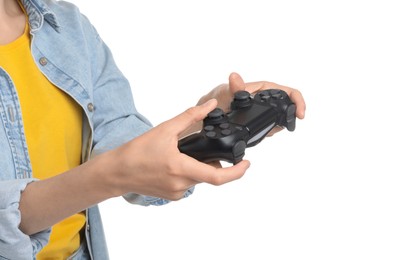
(325, 191)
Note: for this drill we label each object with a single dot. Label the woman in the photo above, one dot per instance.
(71, 136)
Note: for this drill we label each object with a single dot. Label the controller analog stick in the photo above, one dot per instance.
(241, 100)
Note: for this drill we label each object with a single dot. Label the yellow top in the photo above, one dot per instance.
(53, 130)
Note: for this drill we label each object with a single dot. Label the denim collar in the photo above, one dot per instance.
(38, 12)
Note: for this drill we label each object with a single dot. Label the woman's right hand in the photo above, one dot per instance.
(152, 164)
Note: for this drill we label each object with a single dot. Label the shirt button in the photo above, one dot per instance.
(43, 61)
(90, 107)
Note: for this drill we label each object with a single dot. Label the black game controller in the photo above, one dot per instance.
(225, 136)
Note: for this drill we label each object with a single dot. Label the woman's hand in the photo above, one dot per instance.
(151, 164)
(225, 92)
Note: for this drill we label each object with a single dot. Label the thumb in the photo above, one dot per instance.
(191, 116)
(236, 83)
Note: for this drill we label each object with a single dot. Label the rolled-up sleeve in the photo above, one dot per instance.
(14, 244)
(151, 201)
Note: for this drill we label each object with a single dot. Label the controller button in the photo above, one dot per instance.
(242, 96)
(241, 100)
(275, 92)
(226, 132)
(209, 128)
(283, 94)
(277, 96)
(291, 111)
(291, 117)
(239, 148)
(216, 113)
(211, 134)
(265, 97)
(224, 125)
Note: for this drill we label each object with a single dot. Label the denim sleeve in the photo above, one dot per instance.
(116, 120)
(14, 244)
(148, 200)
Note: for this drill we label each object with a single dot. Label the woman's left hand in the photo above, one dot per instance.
(224, 94)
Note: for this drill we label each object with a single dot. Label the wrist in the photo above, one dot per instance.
(106, 175)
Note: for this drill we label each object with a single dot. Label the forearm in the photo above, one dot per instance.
(45, 203)
(150, 164)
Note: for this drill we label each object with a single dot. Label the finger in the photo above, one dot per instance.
(191, 116)
(201, 172)
(275, 130)
(236, 83)
(215, 164)
(298, 99)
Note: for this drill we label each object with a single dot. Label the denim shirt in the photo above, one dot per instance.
(70, 53)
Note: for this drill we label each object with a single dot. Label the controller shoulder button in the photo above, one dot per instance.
(239, 148)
